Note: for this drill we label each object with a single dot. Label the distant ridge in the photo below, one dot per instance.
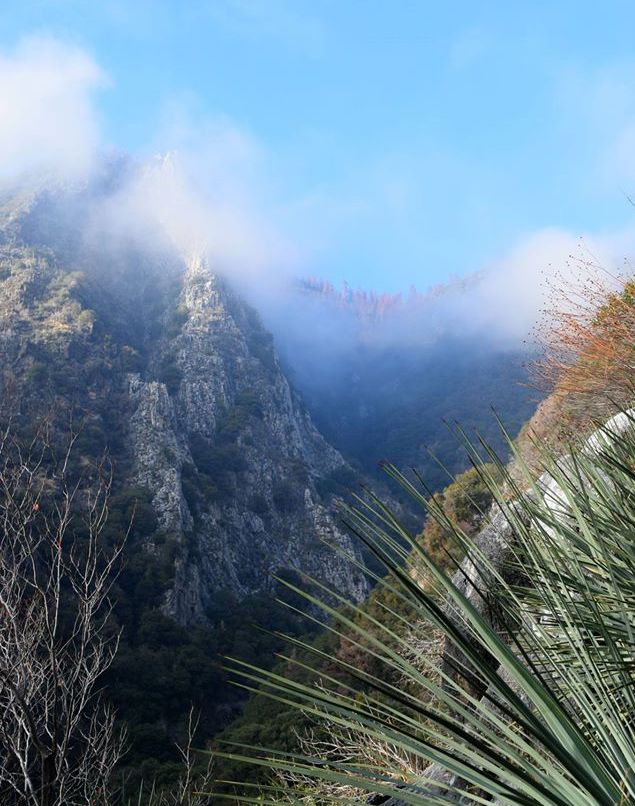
(377, 306)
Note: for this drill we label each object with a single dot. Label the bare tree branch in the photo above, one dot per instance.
(58, 743)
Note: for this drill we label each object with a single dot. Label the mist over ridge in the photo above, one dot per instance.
(215, 189)
(204, 185)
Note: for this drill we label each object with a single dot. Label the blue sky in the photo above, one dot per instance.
(395, 143)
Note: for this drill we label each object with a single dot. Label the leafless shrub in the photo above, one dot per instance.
(346, 746)
(422, 648)
(587, 336)
(58, 743)
(194, 786)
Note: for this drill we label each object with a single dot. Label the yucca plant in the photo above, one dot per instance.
(533, 706)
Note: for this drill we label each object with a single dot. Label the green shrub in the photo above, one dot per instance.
(258, 504)
(464, 503)
(38, 374)
(339, 481)
(132, 507)
(131, 360)
(216, 459)
(234, 421)
(171, 375)
(249, 400)
(261, 347)
(91, 440)
(179, 317)
(286, 497)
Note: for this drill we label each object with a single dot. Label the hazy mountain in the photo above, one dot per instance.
(152, 358)
(385, 374)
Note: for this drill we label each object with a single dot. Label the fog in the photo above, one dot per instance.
(47, 109)
(210, 192)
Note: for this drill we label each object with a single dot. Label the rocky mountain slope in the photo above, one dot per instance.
(157, 361)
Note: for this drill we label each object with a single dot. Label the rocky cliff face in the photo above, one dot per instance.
(163, 366)
(230, 455)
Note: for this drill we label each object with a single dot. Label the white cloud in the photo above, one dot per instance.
(513, 291)
(217, 195)
(225, 158)
(517, 292)
(503, 305)
(201, 201)
(47, 115)
(210, 196)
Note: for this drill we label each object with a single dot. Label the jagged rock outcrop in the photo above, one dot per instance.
(166, 368)
(233, 418)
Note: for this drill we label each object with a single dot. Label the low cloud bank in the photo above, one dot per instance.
(516, 292)
(212, 194)
(498, 307)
